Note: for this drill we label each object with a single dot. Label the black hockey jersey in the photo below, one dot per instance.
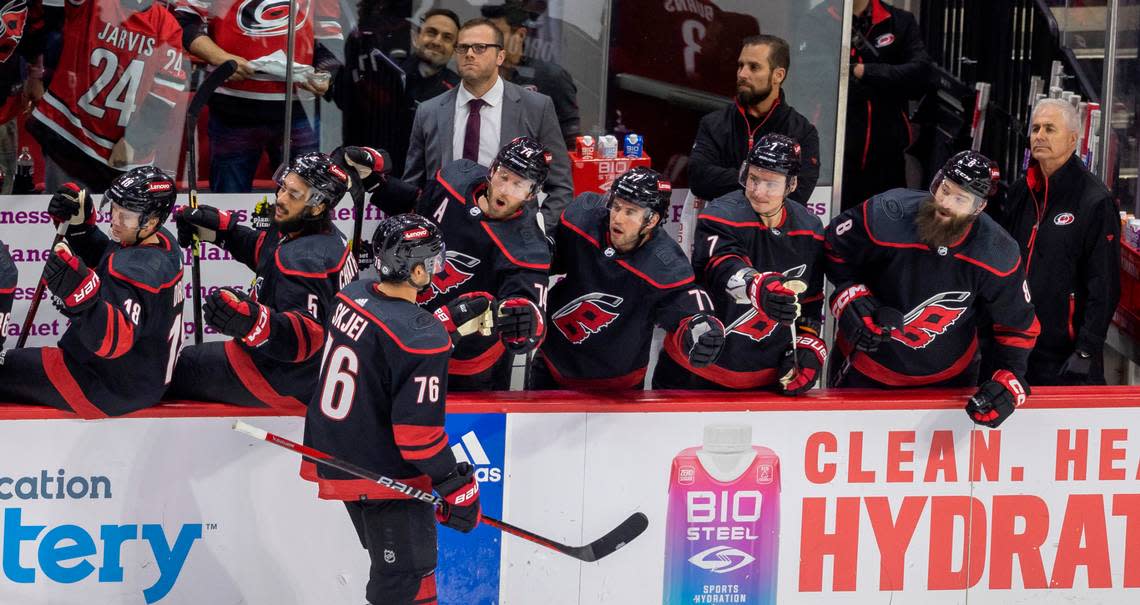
(730, 237)
(940, 292)
(297, 277)
(118, 355)
(603, 312)
(8, 276)
(381, 400)
(508, 258)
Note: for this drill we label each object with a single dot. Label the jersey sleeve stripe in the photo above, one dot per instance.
(724, 221)
(579, 231)
(805, 232)
(1013, 337)
(715, 261)
(510, 257)
(108, 341)
(650, 280)
(419, 442)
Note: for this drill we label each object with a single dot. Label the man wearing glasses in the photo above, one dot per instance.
(474, 120)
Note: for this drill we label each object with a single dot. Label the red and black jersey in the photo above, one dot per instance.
(120, 73)
(297, 277)
(730, 237)
(118, 355)
(603, 312)
(381, 400)
(940, 292)
(507, 258)
(8, 276)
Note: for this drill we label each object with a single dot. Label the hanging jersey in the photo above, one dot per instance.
(381, 400)
(603, 312)
(507, 258)
(940, 292)
(113, 61)
(730, 237)
(8, 276)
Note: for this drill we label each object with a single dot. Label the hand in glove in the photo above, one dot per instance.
(766, 292)
(996, 399)
(807, 356)
(1076, 368)
(520, 324)
(208, 222)
(67, 277)
(702, 339)
(460, 493)
(866, 324)
(70, 204)
(466, 315)
(371, 166)
(235, 314)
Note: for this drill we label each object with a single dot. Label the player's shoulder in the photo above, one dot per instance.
(800, 218)
(459, 176)
(661, 263)
(521, 239)
(151, 267)
(404, 324)
(889, 216)
(731, 209)
(313, 255)
(991, 248)
(585, 209)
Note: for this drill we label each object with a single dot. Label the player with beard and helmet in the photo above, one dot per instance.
(913, 273)
(495, 246)
(761, 259)
(624, 276)
(381, 406)
(122, 296)
(301, 262)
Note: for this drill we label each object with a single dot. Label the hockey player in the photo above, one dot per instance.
(495, 245)
(761, 260)
(8, 277)
(381, 405)
(125, 315)
(301, 261)
(623, 276)
(926, 265)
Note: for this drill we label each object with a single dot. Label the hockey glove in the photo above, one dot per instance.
(767, 293)
(702, 339)
(210, 223)
(371, 166)
(808, 355)
(70, 204)
(235, 314)
(862, 319)
(67, 277)
(466, 315)
(996, 399)
(520, 325)
(1076, 368)
(460, 493)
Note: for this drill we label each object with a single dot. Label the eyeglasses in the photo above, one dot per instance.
(461, 49)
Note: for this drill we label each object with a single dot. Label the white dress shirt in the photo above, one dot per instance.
(490, 124)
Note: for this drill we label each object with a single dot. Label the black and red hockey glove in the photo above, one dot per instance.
(460, 492)
(809, 354)
(997, 398)
(235, 314)
(466, 315)
(371, 166)
(520, 324)
(769, 294)
(210, 224)
(70, 204)
(862, 319)
(72, 281)
(702, 339)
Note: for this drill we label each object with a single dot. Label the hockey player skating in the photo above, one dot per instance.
(495, 245)
(123, 297)
(624, 275)
(301, 261)
(761, 260)
(928, 264)
(380, 405)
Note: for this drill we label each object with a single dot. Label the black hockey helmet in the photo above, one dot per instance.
(525, 157)
(146, 190)
(327, 182)
(403, 241)
(775, 152)
(646, 188)
(973, 171)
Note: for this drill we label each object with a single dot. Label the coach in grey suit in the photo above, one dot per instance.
(507, 111)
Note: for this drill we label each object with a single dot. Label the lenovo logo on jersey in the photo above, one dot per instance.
(721, 559)
(1065, 218)
(931, 319)
(478, 458)
(268, 17)
(69, 553)
(588, 314)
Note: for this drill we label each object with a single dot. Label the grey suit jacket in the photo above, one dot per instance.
(525, 113)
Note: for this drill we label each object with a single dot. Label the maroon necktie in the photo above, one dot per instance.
(471, 136)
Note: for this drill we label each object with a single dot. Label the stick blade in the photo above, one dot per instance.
(618, 537)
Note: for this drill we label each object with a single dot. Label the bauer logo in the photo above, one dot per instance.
(721, 559)
(471, 451)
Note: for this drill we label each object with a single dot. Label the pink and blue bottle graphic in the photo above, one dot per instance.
(722, 540)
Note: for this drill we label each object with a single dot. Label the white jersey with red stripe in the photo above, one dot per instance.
(253, 29)
(113, 60)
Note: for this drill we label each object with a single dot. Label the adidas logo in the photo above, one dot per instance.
(469, 450)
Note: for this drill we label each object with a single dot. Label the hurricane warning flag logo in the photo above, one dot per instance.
(458, 268)
(931, 319)
(588, 314)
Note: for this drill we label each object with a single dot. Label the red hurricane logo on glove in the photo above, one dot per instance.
(451, 276)
(588, 314)
(932, 318)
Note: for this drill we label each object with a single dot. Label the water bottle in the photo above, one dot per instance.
(723, 522)
(25, 181)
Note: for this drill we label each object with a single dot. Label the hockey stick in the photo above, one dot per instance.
(220, 74)
(34, 305)
(616, 538)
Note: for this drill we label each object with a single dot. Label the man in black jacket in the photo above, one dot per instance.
(1067, 226)
(725, 136)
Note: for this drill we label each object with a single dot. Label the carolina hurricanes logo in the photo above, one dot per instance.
(1065, 218)
(451, 276)
(752, 324)
(884, 40)
(13, 18)
(588, 314)
(931, 319)
(268, 17)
